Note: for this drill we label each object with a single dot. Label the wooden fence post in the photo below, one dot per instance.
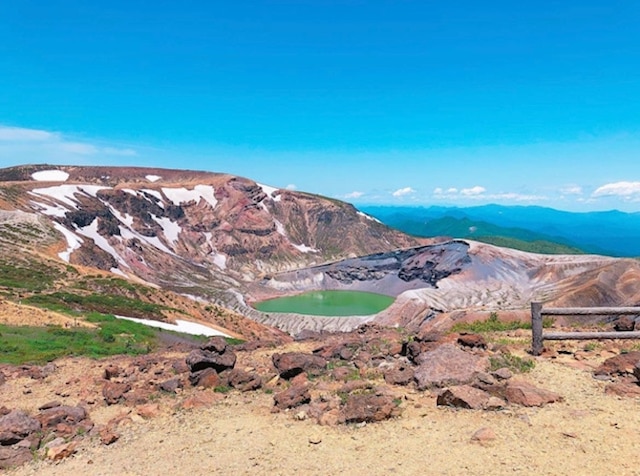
(536, 328)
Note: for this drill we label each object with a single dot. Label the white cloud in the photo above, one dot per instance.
(452, 190)
(354, 194)
(20, 134)
(626, 190)
(35, 145)
(291, 186)
(401, 192)
(473, 191)
(571, 190)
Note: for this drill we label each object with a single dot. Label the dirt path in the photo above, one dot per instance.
(588, 433)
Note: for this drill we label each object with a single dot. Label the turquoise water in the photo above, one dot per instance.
(328, 303)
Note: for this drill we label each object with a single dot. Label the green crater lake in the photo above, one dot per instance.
(328, 303)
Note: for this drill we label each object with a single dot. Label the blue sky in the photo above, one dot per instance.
(406, 102)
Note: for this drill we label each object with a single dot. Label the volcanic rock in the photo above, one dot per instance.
(11, 456)
(200, 359)
(243, 381)
(16, 426)
(623, 389)
(51, 417)
(113, 392)
(624, 324)
(472, 340)
(526, 394)
(216, 344)
(292, 397)
(447, 365)
(207, 378)
(399, 375)
(291, 364)
(463, 396)
(369, 408)
(622, 364)
(171, 385)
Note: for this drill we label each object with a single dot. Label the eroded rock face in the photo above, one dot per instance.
(448, 365)
(293, 397)
(16, 426)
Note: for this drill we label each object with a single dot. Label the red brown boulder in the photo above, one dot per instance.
(525, 394)
(291, 364)
(292, 397)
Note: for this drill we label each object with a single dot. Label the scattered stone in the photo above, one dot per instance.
(180, 366)
(292, 397)
(108, 436)
(369, 408)
(483, 435)
(623, 389)
(215, 344)
(291, 364)
(63, 414)
(447, 365)
(113, 392)
(61, 450)
(207, 378)
(201, 399)
(171, 385)
(112, 371)
(399, 375)
(463, 396)
(243, 381)
(11, 456)
(526, 394)
(622, 364)
(503, 374)
(16, 426)
(624, 324)
(150, 410)
(200, 359)
(472, 340)
(315, 439)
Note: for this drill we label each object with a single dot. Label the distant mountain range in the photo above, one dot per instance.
(536, 229)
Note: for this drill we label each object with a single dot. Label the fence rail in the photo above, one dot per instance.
(538, 312)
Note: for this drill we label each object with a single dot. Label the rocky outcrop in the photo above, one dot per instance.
(369, 408)
(292, 397)
(528, 395)
(447, 365)
(291, 364)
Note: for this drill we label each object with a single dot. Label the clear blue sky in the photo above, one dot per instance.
(408, 102)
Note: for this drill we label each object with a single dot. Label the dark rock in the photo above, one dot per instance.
(112, 371)
(472, 340)
(16, 426)
(447, 365)
(215, 344)
(463, 396)
(369, 408)
(523, 393)
(399, 375)
(170, 385)
(503, 374)
(108, 436)
(622, 364)
(180, 366)
(51, 417)
(344, 373)
(113, 392)
(207, 378)
(623, 389)
(291, 364)
(292, 397)
(243, 381)
(199, 359)
(11, 456)
(428, 336)
(624, 324)
(49, 405)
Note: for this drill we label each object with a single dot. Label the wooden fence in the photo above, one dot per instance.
(538, 313)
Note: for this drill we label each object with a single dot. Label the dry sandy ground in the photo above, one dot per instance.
(589, 433)
(21, 315)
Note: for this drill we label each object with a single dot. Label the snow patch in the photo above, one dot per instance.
(130, 191)
(50, 210)
(200, 192)
(126, 219)
(66, 193)
(280, 228)
(91, 231)
(154, 241)
(369, 217)
(170, 229)
(305, 248)
(187, 327)
(153, 178)
(73, 241)
(270, 191)
(220, 260)
(50, 176)
(154, 193)
(118, 272)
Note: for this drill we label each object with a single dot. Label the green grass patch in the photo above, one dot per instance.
(28, 276)
(22, 344)
(494, 324)
(512, 362)
(102, 303)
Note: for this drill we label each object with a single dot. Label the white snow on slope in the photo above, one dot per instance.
(170, 229)
(154, 193)
(153, 178)
(186, 327)
(305, 248)
(50, 210)
(369, 217)
(66, 193)
(72, 240)
(220, 260)
(269, 191)
(126, 219)
(200, 192)
(50, 176)
(154, 241)
(91, 231)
